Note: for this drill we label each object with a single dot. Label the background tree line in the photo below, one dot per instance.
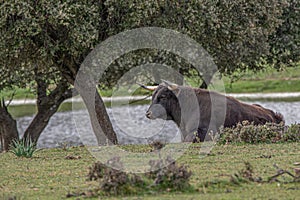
(44, 43)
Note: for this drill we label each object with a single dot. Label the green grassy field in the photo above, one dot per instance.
(50, 175)
(269, 80)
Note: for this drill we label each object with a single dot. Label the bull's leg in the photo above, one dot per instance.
(190, 138)
(201, 133)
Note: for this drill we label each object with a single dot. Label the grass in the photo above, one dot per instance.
(23, 148)
(49, 174)
(269, 80)
(18, 93)
(263, 86)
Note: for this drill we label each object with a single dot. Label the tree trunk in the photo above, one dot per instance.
(99, 118)
(8, 128)
(38, 124)
(69, 66)
(103, 117)
(100, 121)
(47, 106)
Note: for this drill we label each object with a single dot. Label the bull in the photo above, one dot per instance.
(202, 111)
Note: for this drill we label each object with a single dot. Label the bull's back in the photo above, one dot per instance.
(238, 112)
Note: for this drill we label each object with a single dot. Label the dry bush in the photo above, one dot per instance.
(167, 174)
(113, 180)
(164, 175)
(96, 172)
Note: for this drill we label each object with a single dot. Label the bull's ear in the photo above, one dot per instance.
(172, 86)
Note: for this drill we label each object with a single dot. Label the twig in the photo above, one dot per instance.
(281, 172)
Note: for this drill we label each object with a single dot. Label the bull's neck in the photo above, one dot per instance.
(176, 115)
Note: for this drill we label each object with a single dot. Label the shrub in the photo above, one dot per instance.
(292, 133)
(96, 172)
(23, 148)
(164, 174)
(114, 180)
(247, 132)
(118, 182)
(168, 175)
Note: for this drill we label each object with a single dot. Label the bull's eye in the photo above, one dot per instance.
(163, 97)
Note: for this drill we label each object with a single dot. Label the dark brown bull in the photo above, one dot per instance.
(195, 109)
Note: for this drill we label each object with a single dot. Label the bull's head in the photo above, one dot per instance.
(164, 101)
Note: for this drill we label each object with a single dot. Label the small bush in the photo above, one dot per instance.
(96, 172)
(164, 175)
(119, 183)
(168, 175)
(292, 134)
(23, 148)
(247, 132)
(115, 181)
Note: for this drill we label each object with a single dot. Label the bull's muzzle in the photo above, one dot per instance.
(149, 115)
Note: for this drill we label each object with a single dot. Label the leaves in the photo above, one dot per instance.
(236, 34)
(23, 148)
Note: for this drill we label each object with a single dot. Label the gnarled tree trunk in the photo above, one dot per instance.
(100, 120)
(8, 128)
(47, 105)
(69, 66)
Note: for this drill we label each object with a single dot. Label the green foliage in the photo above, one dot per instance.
(292, 133)
(33, 33)
(57, 35)
(235, 33)
(285, 42)
(247, 132)
(267, 80)
(23, 148)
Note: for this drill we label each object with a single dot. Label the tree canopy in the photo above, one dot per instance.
(45, 42)
(285, 41)
(55, 35)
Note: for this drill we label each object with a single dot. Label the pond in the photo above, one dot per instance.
(129, 122)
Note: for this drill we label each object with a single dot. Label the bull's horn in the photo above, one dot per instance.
(170, 85)
(151, 88)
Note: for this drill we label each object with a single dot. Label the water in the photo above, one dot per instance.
(130, 124)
